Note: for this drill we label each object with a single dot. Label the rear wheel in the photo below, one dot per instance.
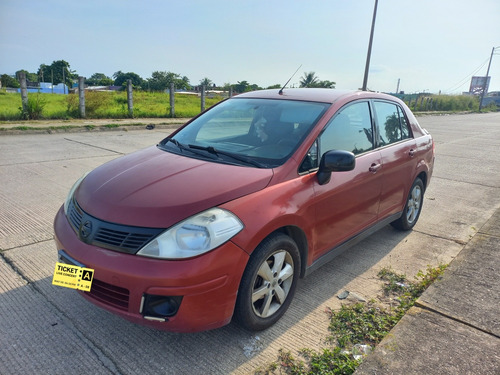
(268, 283)
(412, 208)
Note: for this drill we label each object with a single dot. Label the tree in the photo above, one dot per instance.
(326, 84)
(254, 87)
(244, 86)
(308, 80)
(59, 70)
(8, 81)
(241, 86)
(160, 81)
(311, 80)
(206, 82)
(121, 79)
(99, 79)
(183, 83)
(30, 77)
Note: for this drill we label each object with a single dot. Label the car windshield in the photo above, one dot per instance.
(253, 132)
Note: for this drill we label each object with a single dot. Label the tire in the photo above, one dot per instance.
(413, 207)
(268, 283)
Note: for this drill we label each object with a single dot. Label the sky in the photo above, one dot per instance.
(428, 45)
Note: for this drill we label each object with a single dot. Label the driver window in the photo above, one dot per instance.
(350, 130)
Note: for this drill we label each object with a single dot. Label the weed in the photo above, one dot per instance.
(360, 324)
(395, 283)
(290, 364)
(330, 361)
(34, 108)
(357, 324)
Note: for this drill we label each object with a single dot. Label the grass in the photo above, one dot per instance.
(357, 327)
(113, 105)
(110, 105)
(445, 103)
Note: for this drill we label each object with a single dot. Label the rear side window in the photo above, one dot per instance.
(392, 124)
(405, 128)
(350, 130)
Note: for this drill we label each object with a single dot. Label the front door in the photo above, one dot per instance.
(348, 203)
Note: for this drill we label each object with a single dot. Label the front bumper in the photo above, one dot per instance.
(208, 284)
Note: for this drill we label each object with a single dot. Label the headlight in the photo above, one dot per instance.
(194, 236)
(72, 191)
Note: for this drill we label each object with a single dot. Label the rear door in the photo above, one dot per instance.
(397, 150)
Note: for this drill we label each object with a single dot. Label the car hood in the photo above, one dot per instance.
(155, 188)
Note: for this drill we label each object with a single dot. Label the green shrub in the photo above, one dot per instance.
(34, 108)
(443, 103)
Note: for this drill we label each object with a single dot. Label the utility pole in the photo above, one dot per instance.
(485, 81)
(368, 55)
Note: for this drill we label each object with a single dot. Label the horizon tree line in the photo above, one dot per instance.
(60, 72)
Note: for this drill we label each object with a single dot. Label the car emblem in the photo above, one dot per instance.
(86, 229)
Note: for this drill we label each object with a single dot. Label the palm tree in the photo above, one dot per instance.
(206, 82)
(309, 80)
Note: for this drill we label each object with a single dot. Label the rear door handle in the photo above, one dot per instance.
(374, 167)
(411, 153)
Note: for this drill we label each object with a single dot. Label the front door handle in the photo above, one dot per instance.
(411, 153)
(374, 167)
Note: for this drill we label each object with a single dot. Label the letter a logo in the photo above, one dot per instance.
(87, 275)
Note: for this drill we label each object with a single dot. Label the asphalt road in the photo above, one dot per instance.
(45, 329)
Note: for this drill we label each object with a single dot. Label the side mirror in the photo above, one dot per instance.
(335, 161)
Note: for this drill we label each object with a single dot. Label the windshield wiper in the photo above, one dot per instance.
(177, 143)
(240, 158)
(183, 147)
(205, 148)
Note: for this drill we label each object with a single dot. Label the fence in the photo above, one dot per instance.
(83, 106)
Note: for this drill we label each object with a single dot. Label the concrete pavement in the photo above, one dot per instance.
(46, 329)
(454, 328)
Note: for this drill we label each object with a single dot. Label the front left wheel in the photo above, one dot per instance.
(268, 283)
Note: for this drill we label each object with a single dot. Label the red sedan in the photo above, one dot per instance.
(221, 219)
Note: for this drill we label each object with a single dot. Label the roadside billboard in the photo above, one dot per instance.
(477, 84)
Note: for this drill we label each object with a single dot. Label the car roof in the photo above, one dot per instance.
(313, 94)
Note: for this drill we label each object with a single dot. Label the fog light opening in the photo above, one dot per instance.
(161, 307)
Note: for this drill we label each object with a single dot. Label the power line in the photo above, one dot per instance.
(467, 78)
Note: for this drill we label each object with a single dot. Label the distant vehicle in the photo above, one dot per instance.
(492, 97)
(222, 218)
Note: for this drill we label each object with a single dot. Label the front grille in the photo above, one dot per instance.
(110, 294)
(118, 237)
(75, 216)
(122, 239)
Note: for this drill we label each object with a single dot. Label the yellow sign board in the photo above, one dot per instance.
(73, 277)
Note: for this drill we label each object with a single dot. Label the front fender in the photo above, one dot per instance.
(281, 205)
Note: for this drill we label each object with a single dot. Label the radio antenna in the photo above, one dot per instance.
(281, 91)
